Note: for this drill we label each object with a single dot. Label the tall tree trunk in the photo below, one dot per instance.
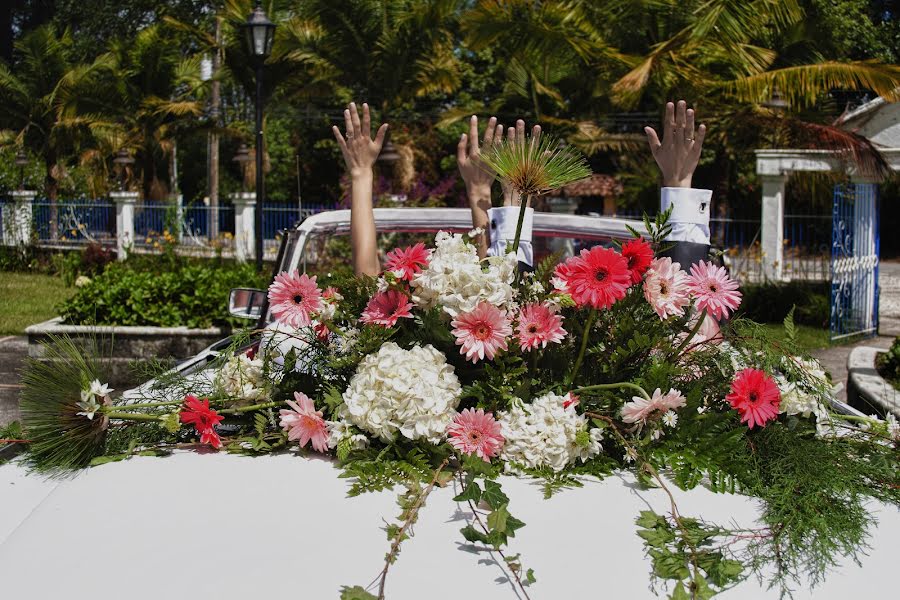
(214, 100)
(51, 188)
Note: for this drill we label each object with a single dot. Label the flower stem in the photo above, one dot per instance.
(146, 405)
(613, 386)
(123, 416)
(584, 340)
(243, 409)
(693, 332)
(522, 209)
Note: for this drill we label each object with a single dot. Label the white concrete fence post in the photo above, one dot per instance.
(17, 217)
(244, 225)
(773, 226)
(125, 202)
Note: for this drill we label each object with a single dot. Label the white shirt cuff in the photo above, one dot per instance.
(502, 222)
(690, 213)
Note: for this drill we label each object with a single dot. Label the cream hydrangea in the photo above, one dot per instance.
(340, 430)
(242, 378)
(547, 434)
(456, 280)
(411, 391)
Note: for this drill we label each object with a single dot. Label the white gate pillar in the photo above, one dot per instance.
(16, 218)
(244, 225)
(773, 226)
(124, 202)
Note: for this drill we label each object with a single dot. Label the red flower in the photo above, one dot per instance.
(755, 396)
(639, 255)
(406, 261)
(598, 277)
(204, 419)
(384, 308)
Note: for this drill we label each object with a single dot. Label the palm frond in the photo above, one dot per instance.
(802, 86)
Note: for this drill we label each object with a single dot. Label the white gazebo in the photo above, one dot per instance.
(877, 120)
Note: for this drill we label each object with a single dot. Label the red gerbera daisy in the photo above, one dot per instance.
(597, 277)
(639, 255)
(385, 308)
(755, 396)
(204, 419)
(406, 262)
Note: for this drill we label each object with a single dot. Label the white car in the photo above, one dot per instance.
(210, 525)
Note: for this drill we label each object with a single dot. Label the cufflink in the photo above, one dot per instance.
(493, 223)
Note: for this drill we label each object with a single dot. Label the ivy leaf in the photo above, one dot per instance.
(473, 535)
(529, 576)
(497, 519)
(356, 593)
(472, 492)
(512, 524)
(679, 593)
(493, 495)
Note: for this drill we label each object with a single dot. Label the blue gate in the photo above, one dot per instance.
(854, 260)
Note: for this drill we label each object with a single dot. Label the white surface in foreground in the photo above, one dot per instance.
(217, 526)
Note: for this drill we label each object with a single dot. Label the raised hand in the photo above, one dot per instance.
(516, 135)
(678, 153)
(476, 176)
(359, 149)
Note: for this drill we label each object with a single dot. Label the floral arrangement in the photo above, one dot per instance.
(447, 367)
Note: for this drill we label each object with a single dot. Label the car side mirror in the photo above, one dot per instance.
(246, 303)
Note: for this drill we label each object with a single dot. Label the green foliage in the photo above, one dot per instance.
(680, 550)
(771, 302)
(888, 363)
(356, 593)
(534, 166)
(144, 292)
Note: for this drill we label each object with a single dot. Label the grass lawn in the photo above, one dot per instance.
(809, 338)
(26, 299)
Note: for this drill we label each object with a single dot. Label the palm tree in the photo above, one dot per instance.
(47, 104)
(153, 94)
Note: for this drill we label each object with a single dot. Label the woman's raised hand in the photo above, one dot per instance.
(475, 175)
(678, 153)
(359, 149)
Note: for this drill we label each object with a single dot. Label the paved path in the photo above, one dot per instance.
(12, 350)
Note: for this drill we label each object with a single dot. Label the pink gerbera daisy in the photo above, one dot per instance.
(406, 262)
(714, 290)
(294, 298)
(638, 253)
(598, 277)
(481, 332)
(538, 326)
(666, 288)
(305, 423)
(755, 396)
(640, 409)
(386, 307)
(476, 432)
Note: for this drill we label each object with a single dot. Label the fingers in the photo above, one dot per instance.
(520, 131)
(354, 119)
(379, 137)
(498, 133)
(461, 149)
(652, 139)
(348, 124)
(680, 120)
(535, 135)
(366, 121)
(669, 124)
(489, 132)
(511, 135)
(689, 126)
(698, 139)
(339, 138)
(473, 135)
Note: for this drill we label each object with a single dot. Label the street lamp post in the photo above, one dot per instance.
(122, 160)
(259, 33)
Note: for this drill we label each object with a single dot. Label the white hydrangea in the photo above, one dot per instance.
(412, 391)
(341, 429)
(456, 280)
(545, 434)
(800, 398)
(242, 378)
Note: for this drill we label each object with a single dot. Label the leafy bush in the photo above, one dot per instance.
(771, 302)
(161, 292)
(889, 364)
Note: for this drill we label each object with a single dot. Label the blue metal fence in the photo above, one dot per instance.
(854, 260)
(79, 220)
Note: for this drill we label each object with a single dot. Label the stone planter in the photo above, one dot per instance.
(866, 389)
(121, 345)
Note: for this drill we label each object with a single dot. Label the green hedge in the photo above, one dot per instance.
(162, 292)
(771, 302)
